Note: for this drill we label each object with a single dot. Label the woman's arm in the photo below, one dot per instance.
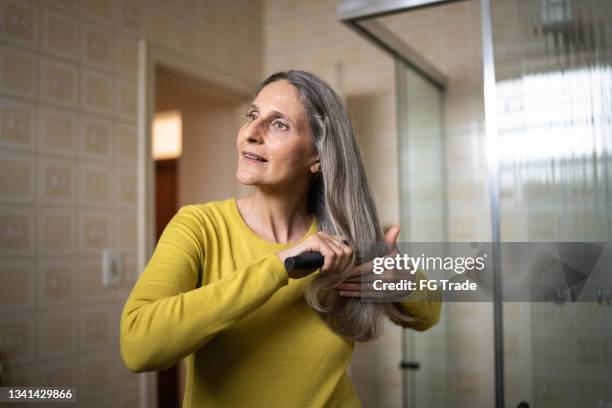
(422, 304)
(167, 318)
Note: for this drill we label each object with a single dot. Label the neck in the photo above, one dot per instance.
(277, 216)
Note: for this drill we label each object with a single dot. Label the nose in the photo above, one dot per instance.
(253, 132)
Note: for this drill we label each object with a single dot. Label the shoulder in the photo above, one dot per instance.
(210, 208)
(197, 224)
(212, 212)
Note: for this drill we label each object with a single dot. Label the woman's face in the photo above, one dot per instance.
(275, 145)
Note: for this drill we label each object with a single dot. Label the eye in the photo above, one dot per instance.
(251, 115)
(280, 125)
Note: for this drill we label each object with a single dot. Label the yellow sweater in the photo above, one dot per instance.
(217, 293)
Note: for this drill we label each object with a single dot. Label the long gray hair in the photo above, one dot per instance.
(340, 198)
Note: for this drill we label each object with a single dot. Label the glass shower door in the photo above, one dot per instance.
(553, 69)
(423, 219)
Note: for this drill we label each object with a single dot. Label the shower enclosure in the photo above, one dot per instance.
(504, 125)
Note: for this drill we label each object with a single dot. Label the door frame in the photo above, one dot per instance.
(151, 55)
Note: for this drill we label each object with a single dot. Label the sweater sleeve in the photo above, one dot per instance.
(166, 317)
(422, 304)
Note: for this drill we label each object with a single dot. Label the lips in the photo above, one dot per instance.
(253, 157)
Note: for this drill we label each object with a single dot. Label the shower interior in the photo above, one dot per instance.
(504, 113)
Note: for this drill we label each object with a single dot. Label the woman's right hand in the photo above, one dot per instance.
(338, 256)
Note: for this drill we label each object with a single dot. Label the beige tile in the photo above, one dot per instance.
(467, 187)
(131, 16)
(58, 83)
(96, 327)
(125, 187)
(60, 34)
(127, 100)
(466, 344)
(71, 6)
(97, 92)
(19, 23)
(210, 45)
(548, 312)
(126, 230)
(187, 40)
(588, 390)
(56, 231)
(127, 55)
(17, 124)
(456, 39)
(18, 336)
(16, 230)
(126, 144)
(469, 223)
(129, 399)
(96, 138)
(588, 312)
(57, 281)
(21, 376)
(211, 13)
(549, 349)
(18, 69)
(160, 27)
(57, 131)
(589, 346)
(94, 185)
(17, 283)
(104, 401)
(17, 183)
(97, 47)
(57, 333)
(548, 390)
(56, 181)
(58, 373)
(466, 151)
(189, 8)
(95, 375)
(95, 232)
(102, 11)
(467, 383)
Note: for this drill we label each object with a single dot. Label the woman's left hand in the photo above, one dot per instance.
(352, 286)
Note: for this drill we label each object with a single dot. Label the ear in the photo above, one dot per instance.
(315, 167)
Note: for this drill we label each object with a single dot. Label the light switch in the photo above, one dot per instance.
(111, 268)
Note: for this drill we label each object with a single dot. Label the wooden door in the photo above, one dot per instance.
(166, 182)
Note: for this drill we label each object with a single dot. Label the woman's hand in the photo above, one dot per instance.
(362, 273)
(338, 255)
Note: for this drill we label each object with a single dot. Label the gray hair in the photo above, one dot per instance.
(341, 199)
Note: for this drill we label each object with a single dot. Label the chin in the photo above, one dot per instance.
(247, 179)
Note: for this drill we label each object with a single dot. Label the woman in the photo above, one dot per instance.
(216, 291)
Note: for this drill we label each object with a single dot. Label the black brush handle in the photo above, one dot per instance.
(306, 260)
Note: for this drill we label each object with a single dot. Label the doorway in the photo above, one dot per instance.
(210, 109)
(194, 130)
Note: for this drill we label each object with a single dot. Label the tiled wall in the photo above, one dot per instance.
(68, 71)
